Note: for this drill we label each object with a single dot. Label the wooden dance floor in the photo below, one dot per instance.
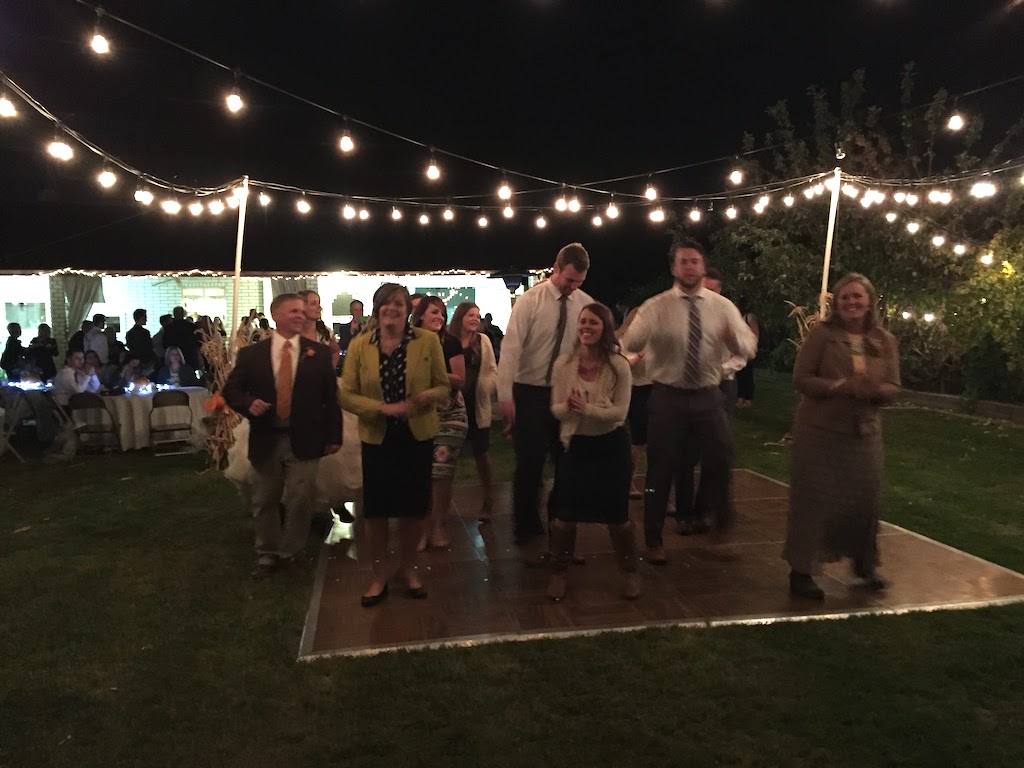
(480, 591)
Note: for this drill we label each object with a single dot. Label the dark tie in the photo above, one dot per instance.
(691, 374)
(563, 316)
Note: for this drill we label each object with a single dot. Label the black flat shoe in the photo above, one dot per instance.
(802, 585)
(368, 601)
(873, 583)
(416, 593)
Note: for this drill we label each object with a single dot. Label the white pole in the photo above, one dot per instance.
(235, 320)
(833, 207)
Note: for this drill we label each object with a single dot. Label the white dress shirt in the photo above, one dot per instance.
(70, 382)
(277, 342)
(96, 341)
(662, 326)
(530, 336)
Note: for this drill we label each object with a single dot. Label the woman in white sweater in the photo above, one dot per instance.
(590, 392)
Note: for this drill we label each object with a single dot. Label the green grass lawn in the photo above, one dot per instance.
(131, 635)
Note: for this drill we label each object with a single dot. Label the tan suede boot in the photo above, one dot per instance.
(563, 537)
(624, 541)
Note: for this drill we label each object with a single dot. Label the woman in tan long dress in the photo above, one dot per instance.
(846, 369)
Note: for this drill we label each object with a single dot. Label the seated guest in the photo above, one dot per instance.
(175, 372)
(103, 372)
(126, 375)
(41, 352)
(76, 376)
(13, 358)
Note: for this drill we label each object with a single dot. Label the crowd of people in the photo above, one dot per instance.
(574, 388)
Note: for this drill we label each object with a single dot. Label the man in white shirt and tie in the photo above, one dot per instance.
(542, 327)
(687, 331)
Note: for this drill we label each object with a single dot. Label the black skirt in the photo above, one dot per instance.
(593, 479)
(396, 475)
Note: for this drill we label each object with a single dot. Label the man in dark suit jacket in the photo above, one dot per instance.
(287, 389)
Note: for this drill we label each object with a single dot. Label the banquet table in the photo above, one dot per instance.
(131, 412)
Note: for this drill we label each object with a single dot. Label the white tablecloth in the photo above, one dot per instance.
(131, 416)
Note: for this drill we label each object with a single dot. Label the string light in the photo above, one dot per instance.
(505, 191)
(448, 214)
(736, 177)
(396, 214)
(232, 202)
(731, 212)
(433, 171)
(424, 219)
(865, 202)
(911, 199)
(216, 207)
(851, 191)
(541, 222)
(959, 249)
(987, 259)
(695, 215)
(363, 214)
(819, 189)
(612, 211)
(143, 196)
(234, 101)
(788, 200)
(7, 107)
(651, 193)
(348, 212)
(508, 212)
(912, 227)
(906, 315)
(264, 199)
(574, 205)
(196, 208)
(482, 221)
(107, 178)
(763, 201)
(173, 207)
(758, 208)
(99, 44)
(809, 193)
(561, 204)
(983, 189)
(303, 206)
(657, 215)
(938, 241)
(60, 150)
(597, 221)
(955, 122)
(929, 317)
(890, 217)
(940, 196)
(899, 197)
(345, 143)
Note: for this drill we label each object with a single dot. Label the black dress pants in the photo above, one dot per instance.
(689, 507)
(535, 438)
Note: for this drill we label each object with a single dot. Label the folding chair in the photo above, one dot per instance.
(166, 438)
(11, 416)
(92, 420)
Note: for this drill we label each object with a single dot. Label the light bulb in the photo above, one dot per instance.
(694, 215)
(819, 189)
(938, 241)
(911, 199)
(959, 249)
(899, 197)
(736, 177)
(731, 212)
(929, 317)
(234, 102)
(171, 206)
(448, 214)
(196, 208)
(865, 202)
(612, 211)
(912, 227)
(424, 219)
(983, 189)
(433, 172)
(830, 183)
(363, 214)
(574, 205)
(906, 315)
(788, 200)
(561, 204)
(481, 222)
(239, 192)
(758, 209)
(303, 206)
(809, 193)
(505, 191)
(987, 259)
(764, 200)
(934, 196)
(507, 212)
(597, 221)
(264, 199)
(107, 179)
(541, 222)
(346, 144)
(850, 191)
(232, 202)
(396, 214)
(890, 217)
(651, 193)
(216, 207)
(657, 215)
(99, 44)
(955, 122)
(143, 196)
(60, 150)
(348, 211)
(7, 107)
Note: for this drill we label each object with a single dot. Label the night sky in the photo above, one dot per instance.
(568, 91)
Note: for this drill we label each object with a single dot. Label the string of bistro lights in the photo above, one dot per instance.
(258, 275)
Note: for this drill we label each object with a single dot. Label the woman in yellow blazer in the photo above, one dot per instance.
(394, 379)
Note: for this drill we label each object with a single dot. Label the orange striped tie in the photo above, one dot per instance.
(284, 383)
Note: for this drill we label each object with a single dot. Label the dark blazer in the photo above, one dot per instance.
(316, 416)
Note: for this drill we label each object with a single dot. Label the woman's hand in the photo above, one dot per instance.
(396, 410)
(577, 402)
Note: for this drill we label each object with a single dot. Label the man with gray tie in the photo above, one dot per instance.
(687, 332)
(542, 327)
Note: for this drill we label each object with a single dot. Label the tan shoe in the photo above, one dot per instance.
(656, 556)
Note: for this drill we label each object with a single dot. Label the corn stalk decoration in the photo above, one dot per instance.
(221, 420)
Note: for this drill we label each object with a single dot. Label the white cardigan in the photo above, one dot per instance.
(609, 406)
(486, 383)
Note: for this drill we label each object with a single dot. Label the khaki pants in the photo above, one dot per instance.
(282, 485)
